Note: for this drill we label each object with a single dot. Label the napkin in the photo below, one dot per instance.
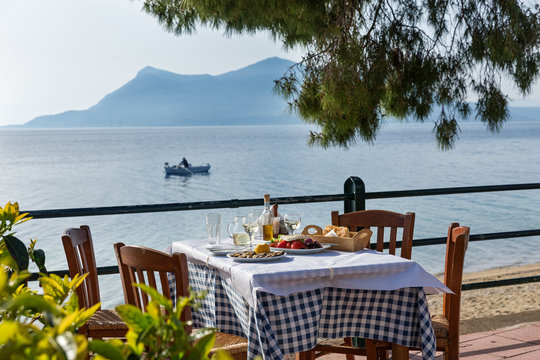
(331, 233)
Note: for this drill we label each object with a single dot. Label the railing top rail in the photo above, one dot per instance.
(201, 205)
(235, 203)
(451, 190)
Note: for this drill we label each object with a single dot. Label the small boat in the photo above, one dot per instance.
(186, 171)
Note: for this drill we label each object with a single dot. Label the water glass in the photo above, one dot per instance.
(257, 213)
(213, 223)
(292, 222)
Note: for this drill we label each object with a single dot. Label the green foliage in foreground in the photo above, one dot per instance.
(367, 59)
(159, 333)
(13, 252)
(43, 325)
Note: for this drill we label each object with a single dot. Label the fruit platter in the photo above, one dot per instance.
(300, 245)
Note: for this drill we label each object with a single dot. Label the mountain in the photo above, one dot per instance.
(161, 98)
(243, 97)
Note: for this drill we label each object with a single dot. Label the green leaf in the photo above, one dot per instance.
(202, 348)
(39, 258)
(52, 286)
(222, 355)
(106, 349)
(86, 314)
(133, 317)
(155, 295)
(30, 301)
(67, 322)
(8, 330)
(18, 251)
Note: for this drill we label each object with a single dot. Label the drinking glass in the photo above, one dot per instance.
(251, 224)
(257, 213)
(292, 222)
(213, 223)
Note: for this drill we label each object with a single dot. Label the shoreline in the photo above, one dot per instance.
(496, 307)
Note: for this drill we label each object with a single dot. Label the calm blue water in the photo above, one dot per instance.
(53, 169)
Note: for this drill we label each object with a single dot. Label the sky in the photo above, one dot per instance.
(59, 55)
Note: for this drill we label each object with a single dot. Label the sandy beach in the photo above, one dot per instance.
(493, 308)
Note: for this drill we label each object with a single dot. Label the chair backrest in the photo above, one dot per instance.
(81, 260)
(139, 264)
(456, 246)
(381, 219)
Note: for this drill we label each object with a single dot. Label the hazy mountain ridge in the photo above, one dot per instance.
(161, 98)
(245, 96)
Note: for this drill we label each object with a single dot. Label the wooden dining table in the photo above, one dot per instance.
(283, 306)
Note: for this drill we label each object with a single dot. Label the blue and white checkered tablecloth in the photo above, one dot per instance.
(280, 325)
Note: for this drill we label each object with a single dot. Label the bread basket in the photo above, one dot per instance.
(358, 240)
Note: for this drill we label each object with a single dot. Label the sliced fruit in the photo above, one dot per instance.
(298, 245)
(261, 248)
(282, 244)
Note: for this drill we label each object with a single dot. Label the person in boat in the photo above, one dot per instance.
(184, 163)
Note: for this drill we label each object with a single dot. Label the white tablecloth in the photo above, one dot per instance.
(365, 269)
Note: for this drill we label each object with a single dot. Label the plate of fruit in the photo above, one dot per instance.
(299, 246)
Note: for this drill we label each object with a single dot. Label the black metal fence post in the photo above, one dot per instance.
(355, 185)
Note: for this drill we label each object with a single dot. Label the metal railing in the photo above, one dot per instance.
(354, 197)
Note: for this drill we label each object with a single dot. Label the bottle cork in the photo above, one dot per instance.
(266, 198)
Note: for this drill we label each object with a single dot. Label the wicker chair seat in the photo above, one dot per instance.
(106, 320)
(441, 327)
(234, 345)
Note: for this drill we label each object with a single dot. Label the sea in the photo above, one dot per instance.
(94, 167)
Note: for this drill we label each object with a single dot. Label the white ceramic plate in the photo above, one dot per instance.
(256, 260)
(221, 250)
(303, 251)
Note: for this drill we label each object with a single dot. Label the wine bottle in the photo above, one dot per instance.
(266, 220)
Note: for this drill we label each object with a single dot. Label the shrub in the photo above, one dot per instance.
(44, 326)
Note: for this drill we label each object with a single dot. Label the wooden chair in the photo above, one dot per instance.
(379, 220)
(79, 251)
(446, 325)
(136, 261)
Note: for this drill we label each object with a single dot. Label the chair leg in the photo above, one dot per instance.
(400, 352)
(371, 350)
(452, 352)
(382, 354)
(306, 355)
(349, 342)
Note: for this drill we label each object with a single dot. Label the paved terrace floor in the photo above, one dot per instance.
(517, 342)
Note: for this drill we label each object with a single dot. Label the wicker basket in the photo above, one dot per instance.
(357, 241)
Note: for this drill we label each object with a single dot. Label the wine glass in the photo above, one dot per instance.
(251, 225)
(292, 222)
